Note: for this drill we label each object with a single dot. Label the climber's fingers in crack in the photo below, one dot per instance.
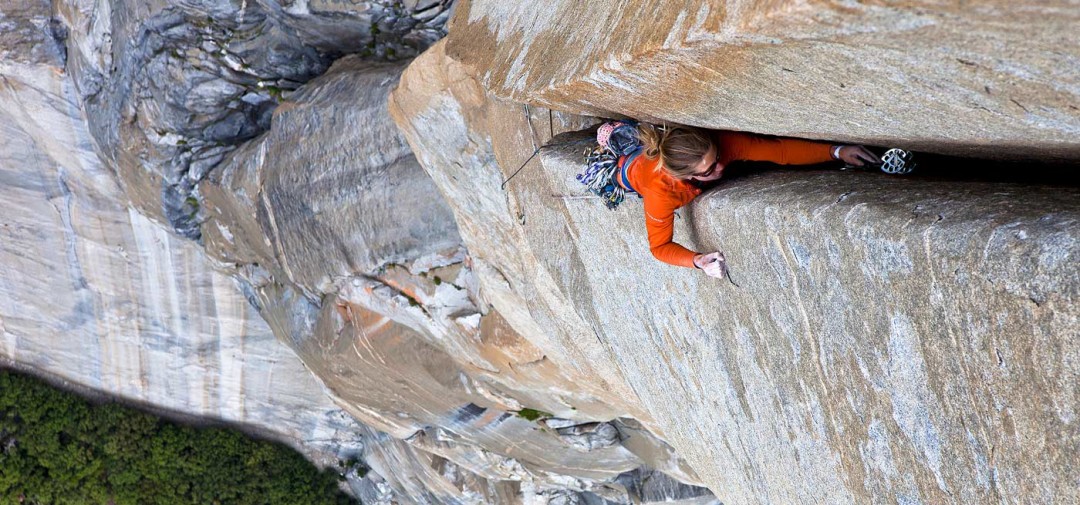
(857, 156)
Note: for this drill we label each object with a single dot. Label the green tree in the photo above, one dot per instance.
(57, 448)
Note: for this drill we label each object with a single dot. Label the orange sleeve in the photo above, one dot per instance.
(785, 151)
(660, 225)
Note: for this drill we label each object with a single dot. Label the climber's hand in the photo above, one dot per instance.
(712, 264)
(857, 156)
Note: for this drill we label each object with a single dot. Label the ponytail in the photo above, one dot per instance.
(680, 148)
(651, 137)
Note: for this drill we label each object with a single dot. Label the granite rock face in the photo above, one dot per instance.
(453, 108)
(171, 87)
(96, 295)
(996, 80)
(355, 261)
(480, 329)
(331, 191)
(880, 344)
(887, 340)
(198, 116)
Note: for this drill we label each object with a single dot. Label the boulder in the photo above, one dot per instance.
(990, 81)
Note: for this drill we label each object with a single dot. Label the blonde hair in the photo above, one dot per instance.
(680, 148)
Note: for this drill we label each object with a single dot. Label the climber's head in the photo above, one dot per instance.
(685, 152)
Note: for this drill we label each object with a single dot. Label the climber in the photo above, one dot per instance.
(678, 162)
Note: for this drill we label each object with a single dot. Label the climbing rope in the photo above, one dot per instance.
(615, 139)
(528, 117)
(503, 186)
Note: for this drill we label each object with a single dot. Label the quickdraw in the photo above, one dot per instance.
(601, 165)
(616, 139)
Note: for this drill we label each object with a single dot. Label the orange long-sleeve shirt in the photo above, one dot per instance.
(664, 194)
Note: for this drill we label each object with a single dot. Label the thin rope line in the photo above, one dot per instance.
(503, 187)
(727, 272)
(528, 117)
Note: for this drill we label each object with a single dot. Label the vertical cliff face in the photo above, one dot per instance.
(171, 87)
(355, 260)
(882, 339)
(993, 80)
(97, 295)
(908, 343)
(456, 114)
(439, 294)
(207, 118)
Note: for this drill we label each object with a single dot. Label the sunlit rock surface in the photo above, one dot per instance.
(446, 116)
(997, 79)
(353, 257)
(486, 332)
(887, 340)
(98, 296)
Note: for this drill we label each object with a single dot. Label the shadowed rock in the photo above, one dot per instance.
(331, 191)
(172, 87)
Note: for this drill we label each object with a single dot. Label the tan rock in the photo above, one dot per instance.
(352, 256)
(889, 339)
(448, 120)
(996, 80)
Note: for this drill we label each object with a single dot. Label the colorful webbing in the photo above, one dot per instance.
(604, 175)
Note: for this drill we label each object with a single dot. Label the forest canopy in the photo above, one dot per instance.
(58, 448)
